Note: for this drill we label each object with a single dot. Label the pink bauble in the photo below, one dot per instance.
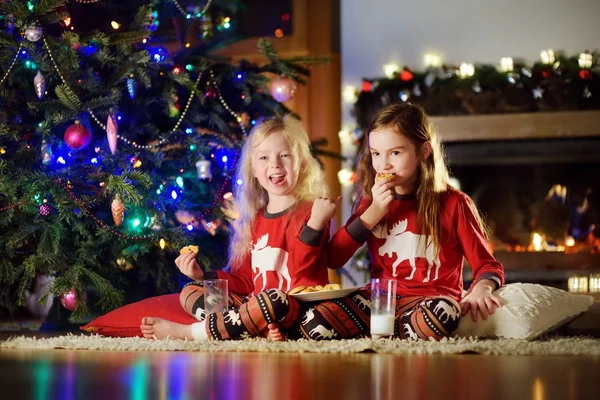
(283, 89)
(69, 299)
(77, 136)
(112, 130)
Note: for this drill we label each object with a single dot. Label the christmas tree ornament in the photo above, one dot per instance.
(385, 99)
(136, 162)
(45, 209)
(417, 90)
(174, 106)
(203, 169)
(429, 79)
(211, 92)
(476, 87)
(124, 265)
(131, 86)
(77, 136)
(585, 74)
(366, 86)
(46, 151)
(586, 92)
(404, 95)
(245, 119)
(512, 77)
(10, 24)
(33, 33)
(538, 93)
(112, 131)
(117, 208)
(406, 75)
(283, 89)
(69, 299)
(39, 83)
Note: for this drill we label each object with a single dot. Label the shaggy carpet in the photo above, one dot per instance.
(559, 346)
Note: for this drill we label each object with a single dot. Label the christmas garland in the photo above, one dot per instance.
(555, 83)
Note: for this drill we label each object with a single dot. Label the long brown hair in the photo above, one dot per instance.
(411, 121)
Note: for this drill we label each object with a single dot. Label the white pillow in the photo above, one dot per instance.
(528, 311)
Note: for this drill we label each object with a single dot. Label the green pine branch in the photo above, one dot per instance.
(68, 98)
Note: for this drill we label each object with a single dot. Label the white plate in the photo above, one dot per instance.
(324, 294)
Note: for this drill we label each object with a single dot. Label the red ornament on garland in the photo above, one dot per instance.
(546, 74)
(77, 136)
(406, 75)
(585, 74)
(366, 86)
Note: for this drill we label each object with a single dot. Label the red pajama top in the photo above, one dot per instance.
(396, 244)
(284, 254)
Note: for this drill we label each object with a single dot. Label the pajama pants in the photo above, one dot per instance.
(417, 317)
(247, 317)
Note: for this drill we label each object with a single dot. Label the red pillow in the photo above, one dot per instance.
(125, 321)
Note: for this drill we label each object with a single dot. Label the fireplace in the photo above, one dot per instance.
(536, 179)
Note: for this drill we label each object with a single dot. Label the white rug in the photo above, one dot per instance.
(563, 346)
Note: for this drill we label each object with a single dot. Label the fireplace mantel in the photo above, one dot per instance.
(539, 125)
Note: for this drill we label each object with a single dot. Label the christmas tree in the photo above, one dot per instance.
(119, 139)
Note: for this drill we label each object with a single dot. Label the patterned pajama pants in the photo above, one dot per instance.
(247, 317)
(417, 317)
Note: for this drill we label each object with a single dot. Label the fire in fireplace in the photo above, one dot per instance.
(541, 200)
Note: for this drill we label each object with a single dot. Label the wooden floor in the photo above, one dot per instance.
(65, 374)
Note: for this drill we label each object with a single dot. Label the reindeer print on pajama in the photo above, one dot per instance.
(430, 282)
(398, 248)
(284, 253)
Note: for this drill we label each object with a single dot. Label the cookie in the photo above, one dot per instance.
(189, 249)
(384, 176)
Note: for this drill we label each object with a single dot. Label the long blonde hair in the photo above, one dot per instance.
(411, 121)
(252, 197)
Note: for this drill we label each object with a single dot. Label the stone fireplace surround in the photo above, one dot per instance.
(508, 162)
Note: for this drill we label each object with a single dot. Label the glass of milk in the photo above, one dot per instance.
(383, 308)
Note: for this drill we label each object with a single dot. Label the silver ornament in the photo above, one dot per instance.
(586, 92)
(47, 155)
(429, 79)
(33, 33)
(131, 86)
(10, 23)
(404, 95)
(417, 90)
(203, 170)
(39, 83)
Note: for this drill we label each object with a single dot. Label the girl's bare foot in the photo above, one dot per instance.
(273, 333)
(158, 328)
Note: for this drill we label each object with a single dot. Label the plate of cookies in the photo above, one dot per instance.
(320, 292)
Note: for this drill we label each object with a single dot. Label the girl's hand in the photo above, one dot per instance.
(323, 210)
(189, 267)
(481, 299)
(383, 194)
